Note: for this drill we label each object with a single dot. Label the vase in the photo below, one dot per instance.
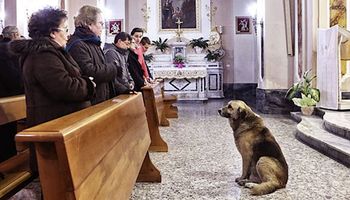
(307, 110)
(198, 50)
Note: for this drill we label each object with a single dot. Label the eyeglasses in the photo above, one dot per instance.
(127, 42)
(62, 29)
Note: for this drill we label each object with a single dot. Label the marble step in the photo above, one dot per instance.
(311, 131)
(338, 123)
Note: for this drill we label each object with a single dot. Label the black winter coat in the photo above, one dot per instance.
(135, 70)
(10, 73)
(85, 48)
(53, 83)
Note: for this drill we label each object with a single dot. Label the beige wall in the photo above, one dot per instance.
(10, 10)
(73, 6)
(133, 14)
(277, 65)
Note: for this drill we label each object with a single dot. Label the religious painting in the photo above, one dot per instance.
(175, 12)
(114, 26)
(337, 13)
(243, 25)
(337, 10)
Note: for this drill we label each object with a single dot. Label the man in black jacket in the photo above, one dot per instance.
(10, 85)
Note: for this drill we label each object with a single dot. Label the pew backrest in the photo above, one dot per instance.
(95, 153)
(12, 109)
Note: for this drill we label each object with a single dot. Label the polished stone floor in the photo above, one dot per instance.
(203, 161)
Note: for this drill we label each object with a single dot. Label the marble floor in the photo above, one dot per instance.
(203, 162)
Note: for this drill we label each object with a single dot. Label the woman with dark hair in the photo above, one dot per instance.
(84, 46)
(53, 83)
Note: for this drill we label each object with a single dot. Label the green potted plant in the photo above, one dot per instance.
(212, 55)
(199, 44)
(160, 44)
(303, 94)
(148, 57)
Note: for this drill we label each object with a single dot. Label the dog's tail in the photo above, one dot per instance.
(265, 188)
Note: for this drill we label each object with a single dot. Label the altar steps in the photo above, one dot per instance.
(328, 132)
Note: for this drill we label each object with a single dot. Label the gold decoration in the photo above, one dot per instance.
(146, 11)
(211, 11)
(178, 31)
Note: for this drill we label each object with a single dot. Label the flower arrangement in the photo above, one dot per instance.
(179, 61)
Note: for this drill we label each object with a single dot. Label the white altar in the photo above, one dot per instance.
(197, 80)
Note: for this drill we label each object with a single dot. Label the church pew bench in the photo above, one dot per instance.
(153, 101)
(12, 109)
(15, 172)
(95, 153)
(170, 111)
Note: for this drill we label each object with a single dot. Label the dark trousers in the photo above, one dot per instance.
(7, 140)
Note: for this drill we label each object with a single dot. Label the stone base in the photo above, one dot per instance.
(273, 102)
(241, 91)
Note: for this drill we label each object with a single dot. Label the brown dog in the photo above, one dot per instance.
(264, 167)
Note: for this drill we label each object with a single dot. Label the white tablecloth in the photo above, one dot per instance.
(180, 73)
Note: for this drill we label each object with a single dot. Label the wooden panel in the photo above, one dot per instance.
(154, 105)
(95, 153)
(12, 109)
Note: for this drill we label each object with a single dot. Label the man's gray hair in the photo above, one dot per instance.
(87, 15)
(8, 30)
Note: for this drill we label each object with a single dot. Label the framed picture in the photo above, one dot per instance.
(187, 11)
(179, 51)
(114, 26)
(243, 24)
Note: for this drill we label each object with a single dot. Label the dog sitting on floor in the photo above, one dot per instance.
(264, 168)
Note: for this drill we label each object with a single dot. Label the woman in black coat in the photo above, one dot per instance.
(53, 84)
(135, 68)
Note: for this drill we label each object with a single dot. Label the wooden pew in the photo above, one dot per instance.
(153, 100)
(15, 171)
(12, 109)
(95, 153)
(170, 111)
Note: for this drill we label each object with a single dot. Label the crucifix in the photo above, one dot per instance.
(178, 31)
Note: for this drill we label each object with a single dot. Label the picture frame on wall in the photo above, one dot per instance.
(243, 25)
(187, 11)
(114, 26)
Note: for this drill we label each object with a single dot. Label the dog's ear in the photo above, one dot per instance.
(242, 112)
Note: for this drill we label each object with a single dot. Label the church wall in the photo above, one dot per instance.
(276, 59)
(134, 16)
(72, 6)
(243, 49)
(115, 9)
(10, 7)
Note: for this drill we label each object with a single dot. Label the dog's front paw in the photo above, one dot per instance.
(241, 181)
(250, 185)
